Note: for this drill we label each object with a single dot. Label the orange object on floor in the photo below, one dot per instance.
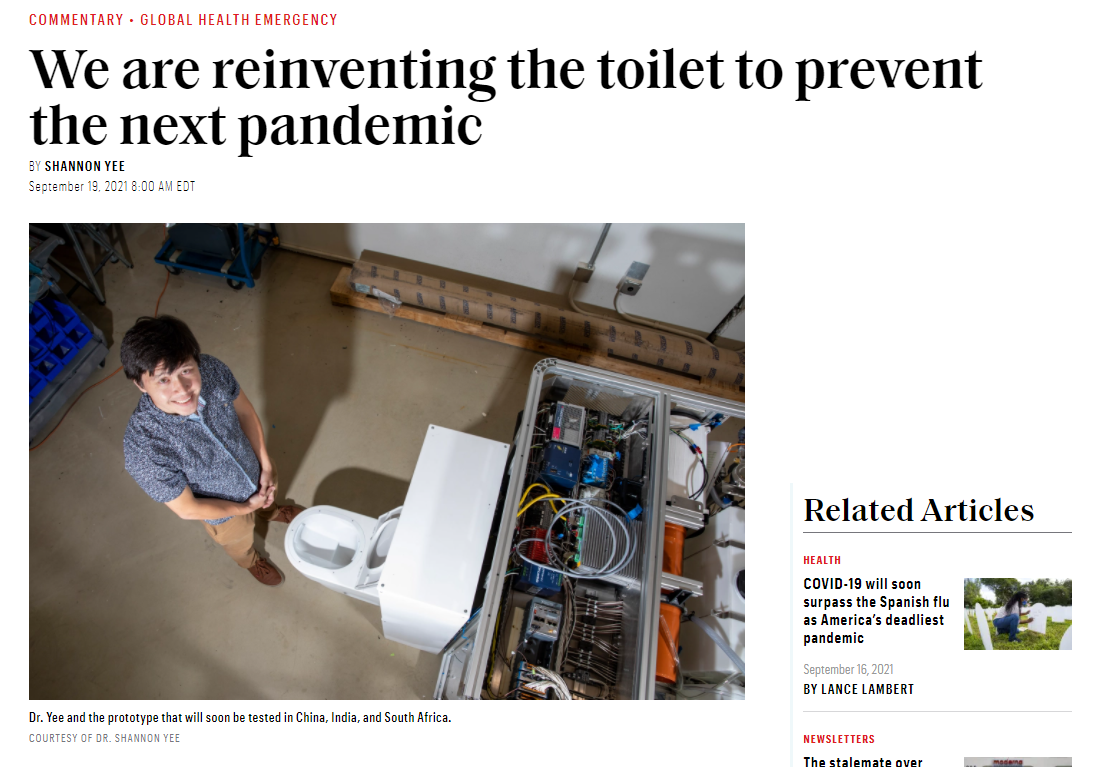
(665, 663)
(674, 536)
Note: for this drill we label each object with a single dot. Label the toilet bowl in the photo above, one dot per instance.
(424, 568)
(342, 550)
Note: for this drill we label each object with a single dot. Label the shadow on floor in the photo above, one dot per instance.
(352, 489)
(503, 407)
(306, 367)
(364, 492)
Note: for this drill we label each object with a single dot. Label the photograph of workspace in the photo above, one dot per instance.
(387, 461)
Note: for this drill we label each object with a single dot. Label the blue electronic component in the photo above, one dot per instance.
(538, 581)
(560, 464)
(597, 473)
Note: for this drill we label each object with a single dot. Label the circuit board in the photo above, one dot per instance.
(570, 563)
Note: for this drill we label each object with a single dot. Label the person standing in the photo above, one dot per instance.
(195, 443)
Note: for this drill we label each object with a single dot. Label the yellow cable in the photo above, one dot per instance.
(526, 493)
(541, 498)
(550, 495)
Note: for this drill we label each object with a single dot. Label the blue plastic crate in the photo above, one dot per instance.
(48, 367)
(43, 338)
(53, 322)
(37, 347)
(64, 317)
(42, 326)
(40, 317)
(78, 335)
(56, 333)
(64, 349)
(38, 383)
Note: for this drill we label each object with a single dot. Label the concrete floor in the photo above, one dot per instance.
(129, 601)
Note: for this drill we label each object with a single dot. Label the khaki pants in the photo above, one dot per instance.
(237, 538)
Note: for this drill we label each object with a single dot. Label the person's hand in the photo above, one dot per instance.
(268, 484)
(256, 501)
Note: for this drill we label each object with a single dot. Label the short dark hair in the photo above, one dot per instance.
(157, 340)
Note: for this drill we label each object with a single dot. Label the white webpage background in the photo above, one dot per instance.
(928, 318)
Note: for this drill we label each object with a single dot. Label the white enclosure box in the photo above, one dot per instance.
(430, 577)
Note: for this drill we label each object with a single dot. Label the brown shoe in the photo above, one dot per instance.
(286, 513)
(265, 573)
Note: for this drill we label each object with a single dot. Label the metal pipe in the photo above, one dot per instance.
(598, 246)
(720, 641)
(739, 307)
(656, 325)
(590, 265)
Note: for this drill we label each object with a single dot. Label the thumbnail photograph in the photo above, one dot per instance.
(1019, 761)
(1018, 614)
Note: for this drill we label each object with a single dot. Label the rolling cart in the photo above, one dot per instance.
(229, 251)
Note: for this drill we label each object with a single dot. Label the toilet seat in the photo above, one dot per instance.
(341, 549)
(378, 548)
(325, 541)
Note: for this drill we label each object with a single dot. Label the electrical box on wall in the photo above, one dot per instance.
(634, 278)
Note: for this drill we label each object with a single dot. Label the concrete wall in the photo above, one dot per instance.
(696, 274)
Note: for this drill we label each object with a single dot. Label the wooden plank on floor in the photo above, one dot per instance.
(343, 295)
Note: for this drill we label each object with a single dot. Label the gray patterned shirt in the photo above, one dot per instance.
(207, 451)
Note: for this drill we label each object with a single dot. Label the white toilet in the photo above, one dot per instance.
(422, 562)
(343, 550)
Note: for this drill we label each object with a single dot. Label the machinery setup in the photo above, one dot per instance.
(600, 556)
(615, 489)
